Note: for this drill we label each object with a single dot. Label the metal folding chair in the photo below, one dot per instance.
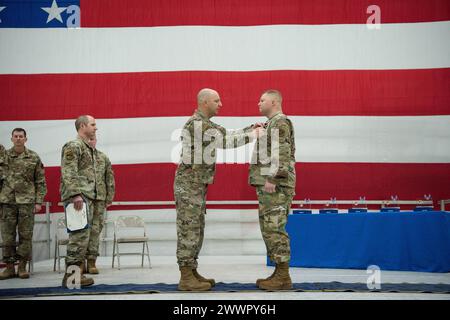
(60, 240)
(128, 224)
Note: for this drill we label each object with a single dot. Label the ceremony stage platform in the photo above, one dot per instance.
(235, 277)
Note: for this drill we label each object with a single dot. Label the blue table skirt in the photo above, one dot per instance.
(408, 241)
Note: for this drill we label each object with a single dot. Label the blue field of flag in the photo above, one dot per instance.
(39, 13)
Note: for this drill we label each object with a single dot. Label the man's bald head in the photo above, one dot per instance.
(204, 94)
(208, 101)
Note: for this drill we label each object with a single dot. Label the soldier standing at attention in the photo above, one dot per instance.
(22, 194)
(2, 177)
(200, 139)
(78, 182)
(2, 166)
(272, 172)
(105, 196)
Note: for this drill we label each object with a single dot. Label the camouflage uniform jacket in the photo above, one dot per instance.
(105, 177)
(195, 170)
(24, 178)
(2, 165)
(78, 176)
(283, 173)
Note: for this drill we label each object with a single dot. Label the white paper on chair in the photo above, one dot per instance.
(76, 219)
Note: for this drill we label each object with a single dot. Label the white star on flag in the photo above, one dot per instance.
(1, 9)
(54, 12)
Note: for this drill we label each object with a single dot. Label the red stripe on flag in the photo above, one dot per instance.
(139, 13)
(157, 94)
(318, 181)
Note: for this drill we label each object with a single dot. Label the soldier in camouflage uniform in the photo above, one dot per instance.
(272, 172)
(22, 194)
(2, 165)
(200, 139)
(105, 196)
(78, 183)
(2, 177)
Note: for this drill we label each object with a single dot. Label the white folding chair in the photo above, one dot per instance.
(61, 239)
(135, 230)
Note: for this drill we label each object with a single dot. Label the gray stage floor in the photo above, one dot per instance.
(228, 269)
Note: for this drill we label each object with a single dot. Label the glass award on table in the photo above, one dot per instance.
(391, 208)
(304, 207)
(330, 207)
(359, 206)
(425, 205)
(76, 219)
(308, 204)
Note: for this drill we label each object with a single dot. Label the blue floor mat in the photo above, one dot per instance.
(224, 287)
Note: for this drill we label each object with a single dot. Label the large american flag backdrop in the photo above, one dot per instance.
(371, 107)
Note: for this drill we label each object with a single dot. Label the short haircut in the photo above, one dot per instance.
(19, 130)
(84, 119)
(275, 93)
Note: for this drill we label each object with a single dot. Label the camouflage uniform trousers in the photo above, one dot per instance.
(20, 216)
(79, 241)
(273, 213)
(96, 229)
(191, 209)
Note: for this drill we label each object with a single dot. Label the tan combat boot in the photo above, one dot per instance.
(84, 282)
(91, 268)
(280, 281)
(22, 270)
(200, 278)
(258, 281)
(83, 267)
(9, 272)
(188, 282)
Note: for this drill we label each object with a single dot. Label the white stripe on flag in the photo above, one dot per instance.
(275, 47)
(423, 139)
